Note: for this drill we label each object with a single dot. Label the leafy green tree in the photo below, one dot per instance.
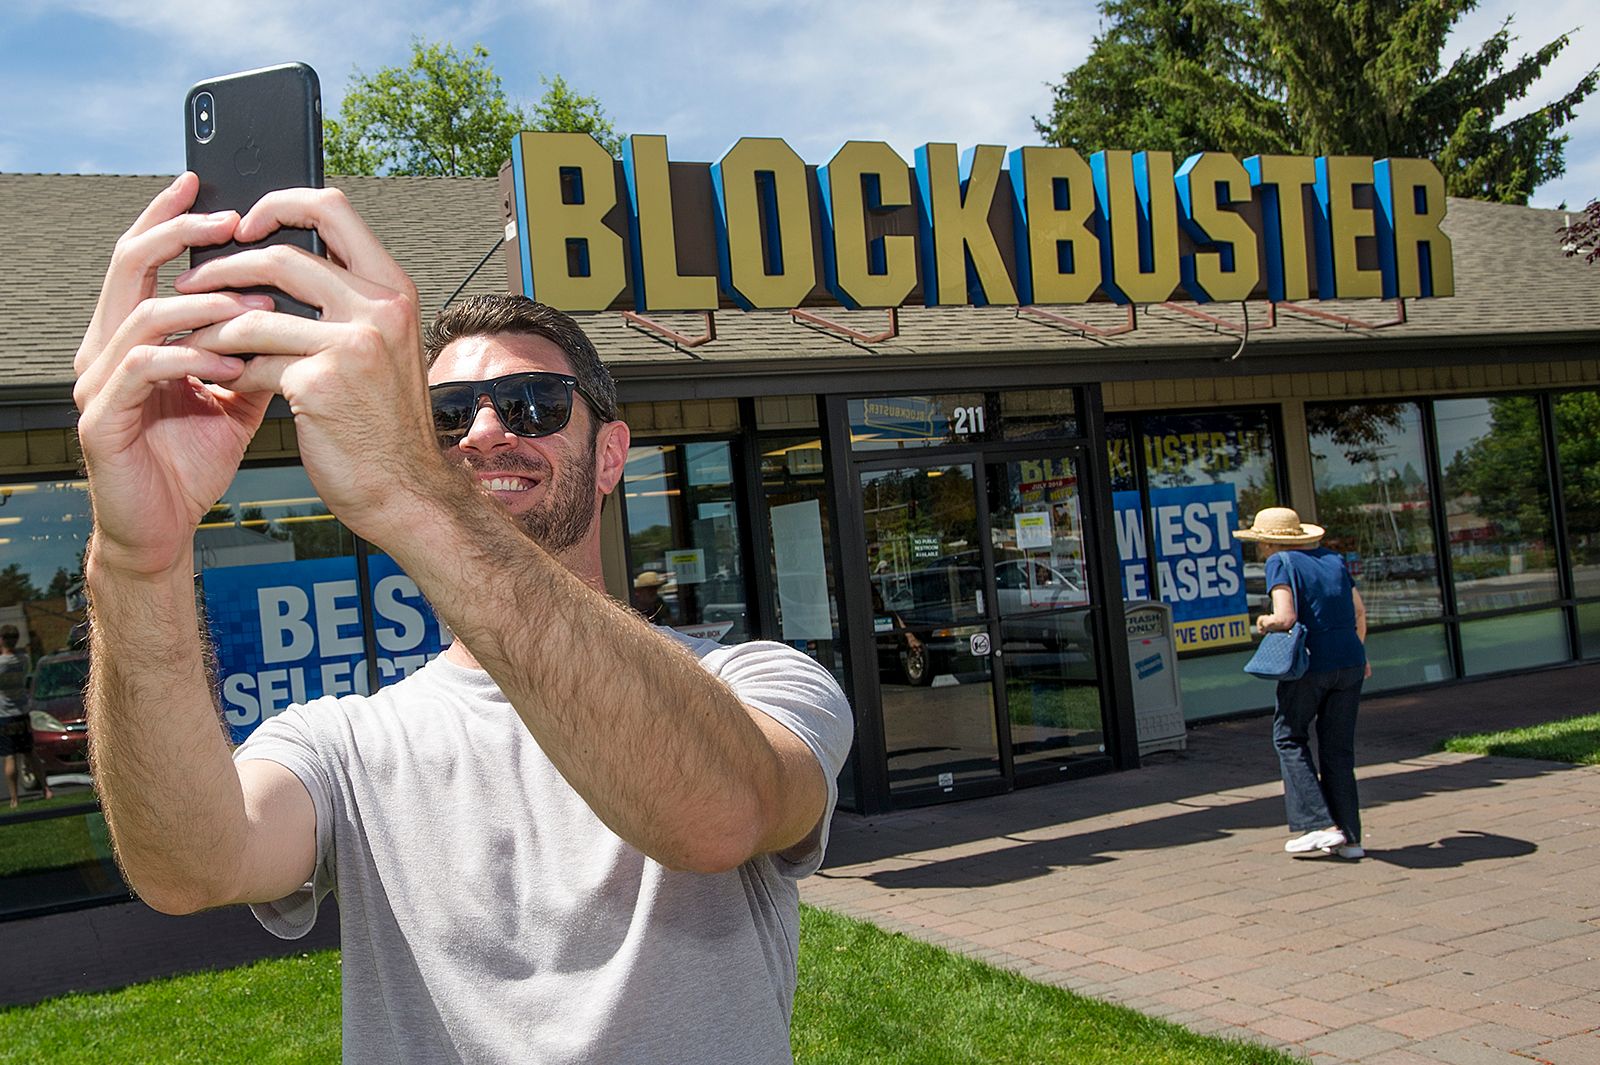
(1359, 430)
(446, 113)
(1578, 435)
(1339, 77)
(563, 110)
(1505, 469)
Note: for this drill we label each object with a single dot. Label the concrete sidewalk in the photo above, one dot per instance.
(1470, 934)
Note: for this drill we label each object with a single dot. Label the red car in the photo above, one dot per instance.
(55, 711)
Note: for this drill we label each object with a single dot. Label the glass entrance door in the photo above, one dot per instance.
(1050, 664)
(983, 620)
(931, 614)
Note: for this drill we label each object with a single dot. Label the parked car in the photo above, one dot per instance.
(56, 715)
(1027, 584)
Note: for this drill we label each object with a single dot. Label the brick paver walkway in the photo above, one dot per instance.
(1470, 934)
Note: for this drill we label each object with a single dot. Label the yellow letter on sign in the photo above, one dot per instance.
(1414, 250)
(865, 176)
(1138, 225)
(1281, 180)
(1058, 254)
(657, 285)
(1340, 225)
(1224, 265)
(762, 179)
(565, 185)
(954, 221)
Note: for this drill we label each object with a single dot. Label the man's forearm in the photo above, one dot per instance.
(167, 784)
(661, 750)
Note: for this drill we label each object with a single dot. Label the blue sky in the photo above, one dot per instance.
(96, 86)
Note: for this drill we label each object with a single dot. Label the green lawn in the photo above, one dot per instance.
(864, 996)
(1576, 740)
(273, 1011)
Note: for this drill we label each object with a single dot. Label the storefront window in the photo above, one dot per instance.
(891, 423)
(793, 489)
(1514, 641)
(1370, 464)
(1578, 445)
(1207, 474)
(1497, 502)
(1402, 658)
(279, 576)
(52, 852)
(686, 570)
(1589, 629)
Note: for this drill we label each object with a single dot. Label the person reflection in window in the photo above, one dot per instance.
(16, 737)
(647, 598)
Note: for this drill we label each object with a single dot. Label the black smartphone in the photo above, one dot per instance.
(249, 134)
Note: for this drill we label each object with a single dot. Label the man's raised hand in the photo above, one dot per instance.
(160, 445)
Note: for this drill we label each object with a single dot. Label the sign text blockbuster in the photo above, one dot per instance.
(759, 229)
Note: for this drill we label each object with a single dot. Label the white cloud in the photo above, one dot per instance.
(704, 73)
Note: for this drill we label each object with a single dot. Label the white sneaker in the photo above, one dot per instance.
(1322, 840)
(1349, 852)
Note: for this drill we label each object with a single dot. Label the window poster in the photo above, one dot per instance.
(1198, 562)
(288, 632)
(802, 571)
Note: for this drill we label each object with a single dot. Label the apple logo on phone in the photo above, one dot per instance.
(247, 160)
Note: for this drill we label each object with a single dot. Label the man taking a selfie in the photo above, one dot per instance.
(573, 837)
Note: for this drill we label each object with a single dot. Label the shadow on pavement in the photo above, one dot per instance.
(1157, 820)
(1201, 785)
(1455, 851)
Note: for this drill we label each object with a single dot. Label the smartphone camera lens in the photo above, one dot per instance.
(205, 116)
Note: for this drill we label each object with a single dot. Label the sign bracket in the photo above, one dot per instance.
(667, 335)
(1337, 319)
(1082, 328)
(855, 336)
(1220, 325)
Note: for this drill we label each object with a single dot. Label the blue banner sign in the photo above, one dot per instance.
(287, 632)
(1199, 562)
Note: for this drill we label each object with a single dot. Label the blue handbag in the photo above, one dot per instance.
(1282, 655)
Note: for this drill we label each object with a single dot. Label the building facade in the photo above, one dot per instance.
(952, 508)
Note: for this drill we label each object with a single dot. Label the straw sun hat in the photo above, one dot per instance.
(1281, 525)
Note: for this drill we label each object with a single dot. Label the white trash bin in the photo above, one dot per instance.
(1153, 664)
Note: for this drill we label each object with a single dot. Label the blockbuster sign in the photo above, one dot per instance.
(760, 229)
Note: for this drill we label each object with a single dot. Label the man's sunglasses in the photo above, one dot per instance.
(528, 404)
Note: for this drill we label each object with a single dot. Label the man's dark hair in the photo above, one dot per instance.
(9, 637)
(493, 315)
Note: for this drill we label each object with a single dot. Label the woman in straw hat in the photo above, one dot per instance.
(1322, 805)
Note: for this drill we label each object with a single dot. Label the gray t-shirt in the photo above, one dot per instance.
(486, 913)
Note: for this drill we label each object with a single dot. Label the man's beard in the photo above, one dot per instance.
(562, 519)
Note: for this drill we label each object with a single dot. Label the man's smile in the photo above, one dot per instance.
(503, 483)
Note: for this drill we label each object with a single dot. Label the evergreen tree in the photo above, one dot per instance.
(1172, 75)
(16, 586)
(1359, 77)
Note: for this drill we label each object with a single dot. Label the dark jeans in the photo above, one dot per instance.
(1328, 699)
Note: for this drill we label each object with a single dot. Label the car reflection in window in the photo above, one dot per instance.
(56, 715)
